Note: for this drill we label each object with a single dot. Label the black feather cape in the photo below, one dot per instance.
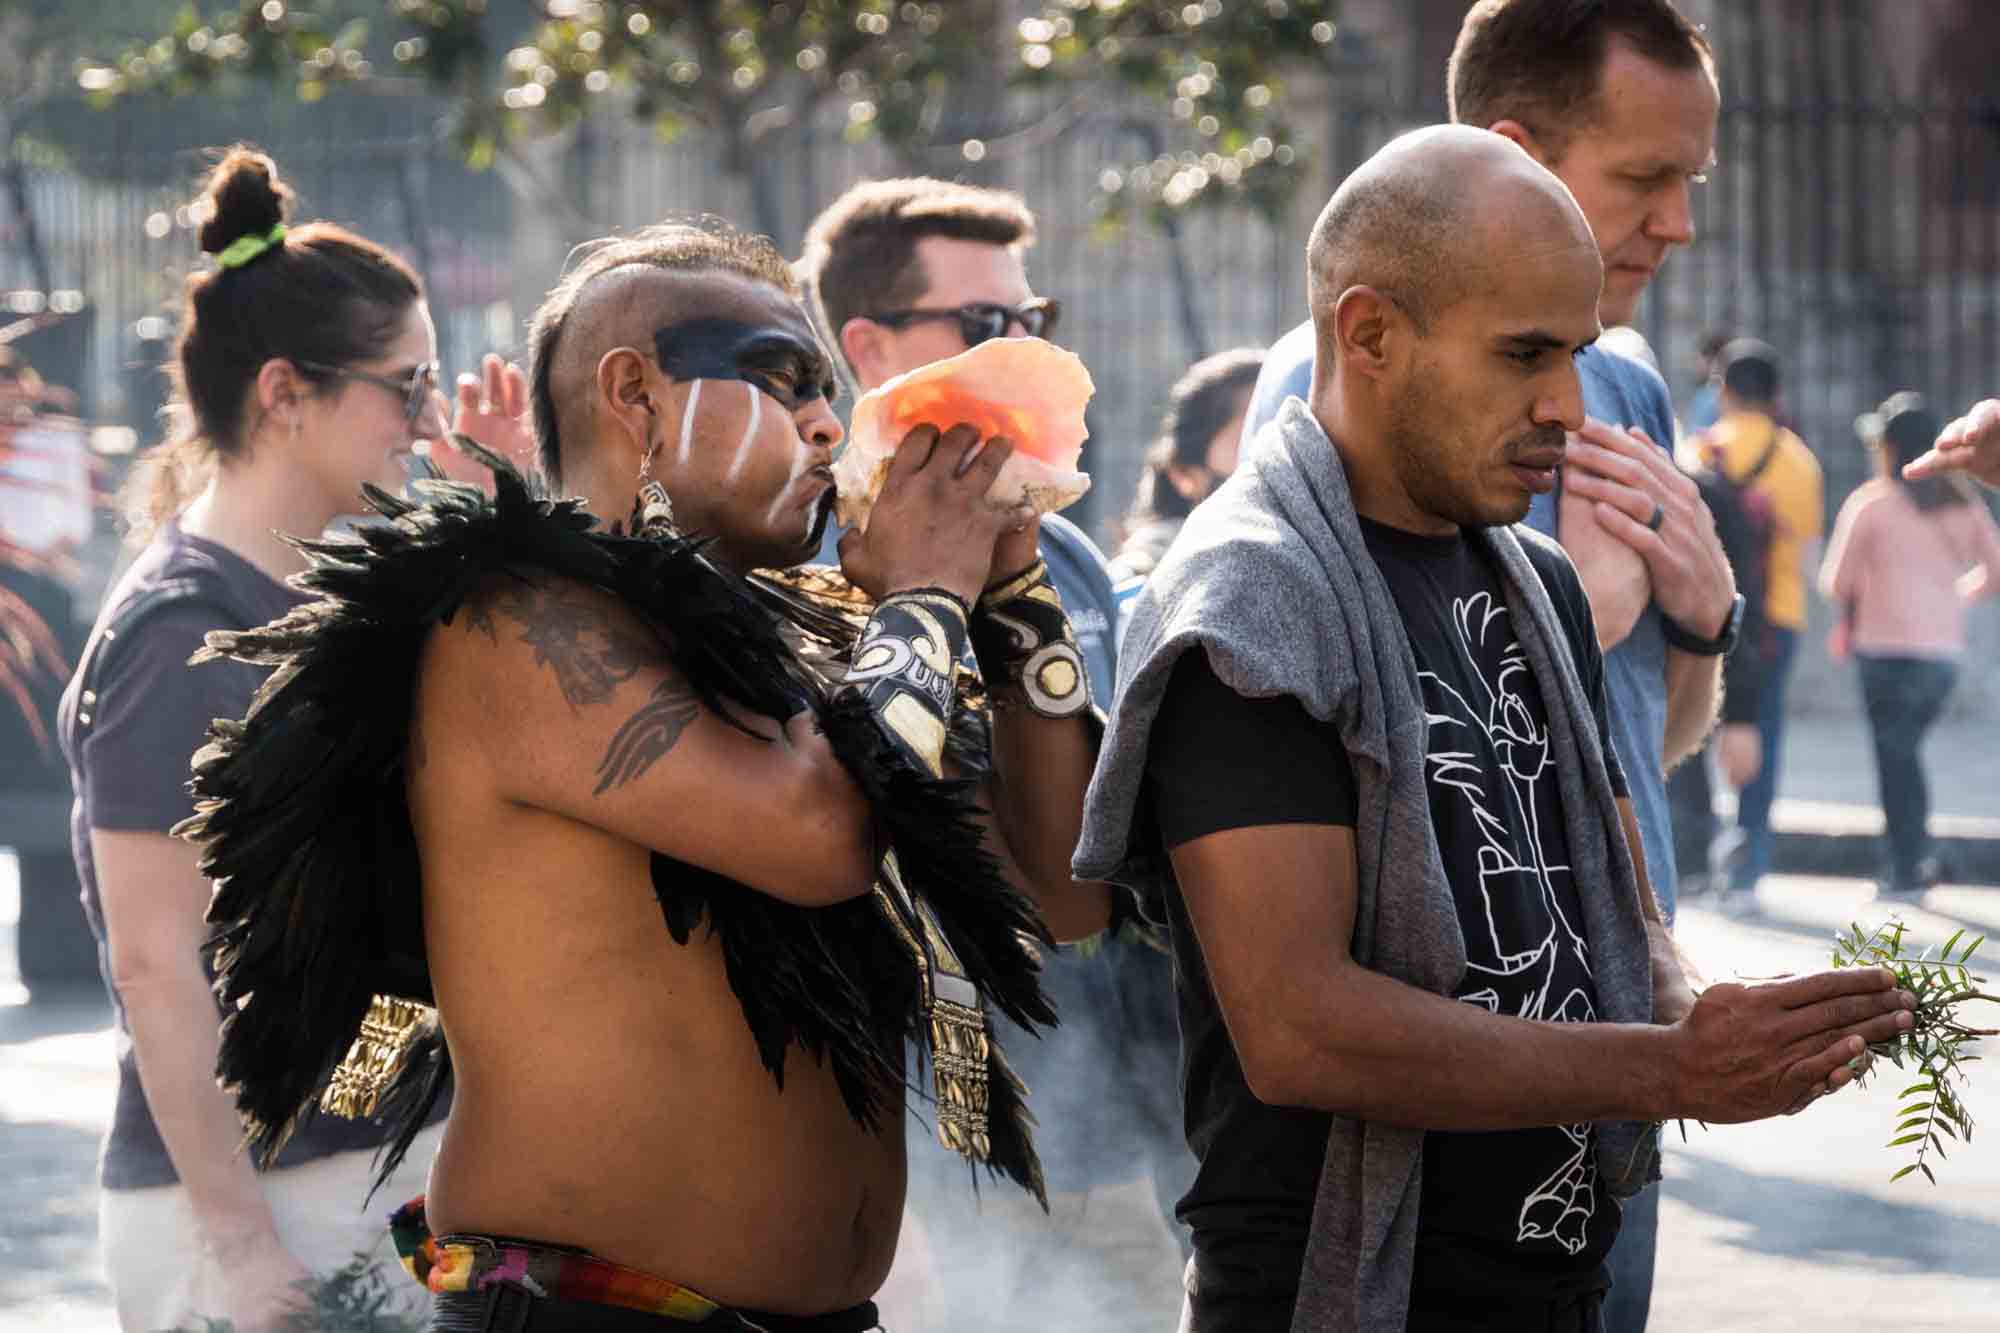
(303, 817)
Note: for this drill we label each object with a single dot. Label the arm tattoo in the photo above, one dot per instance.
(479, 616)
(591, 652)
(647, 735)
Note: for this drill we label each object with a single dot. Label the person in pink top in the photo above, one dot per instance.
(1907, 559)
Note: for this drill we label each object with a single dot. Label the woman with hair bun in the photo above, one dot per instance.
(306, 366)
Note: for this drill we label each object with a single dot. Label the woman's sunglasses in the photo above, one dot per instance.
(415, 389)
(979, 321)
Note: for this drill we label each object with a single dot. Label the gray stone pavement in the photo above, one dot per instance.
(1791, 1224)
(1827, 820)
(55, 1096)
(1829, 767)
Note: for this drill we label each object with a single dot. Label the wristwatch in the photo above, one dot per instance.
(1720, 646)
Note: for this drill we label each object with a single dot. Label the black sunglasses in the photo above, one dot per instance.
(415, 390)
(980, 320)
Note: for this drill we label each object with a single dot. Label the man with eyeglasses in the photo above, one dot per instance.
(900, 274)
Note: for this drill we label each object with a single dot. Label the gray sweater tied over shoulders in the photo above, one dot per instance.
(1271, 578)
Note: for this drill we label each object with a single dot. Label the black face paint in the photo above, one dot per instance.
(822, 514)
(788, 368)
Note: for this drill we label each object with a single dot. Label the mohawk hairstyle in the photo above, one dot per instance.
(708, 246)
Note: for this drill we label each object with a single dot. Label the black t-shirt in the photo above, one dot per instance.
(1509, 1219)
(130, 721)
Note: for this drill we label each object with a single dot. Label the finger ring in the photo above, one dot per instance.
(1659, 517)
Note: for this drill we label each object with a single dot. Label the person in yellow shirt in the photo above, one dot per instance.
(1781, 477)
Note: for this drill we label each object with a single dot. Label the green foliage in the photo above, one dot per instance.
(1931, 1109)
(38, 38)
(912, 73)
(1219, 70)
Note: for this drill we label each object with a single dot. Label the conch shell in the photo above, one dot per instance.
(1023, 389)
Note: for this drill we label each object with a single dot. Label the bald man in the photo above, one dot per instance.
(697, 1116)
(1622, 99)
(1427, 1004)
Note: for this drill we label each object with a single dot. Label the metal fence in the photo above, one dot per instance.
(1853, 220)
(119, 239)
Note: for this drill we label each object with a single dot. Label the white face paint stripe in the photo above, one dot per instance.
(737, 463)
(687, 421)
(799, 461)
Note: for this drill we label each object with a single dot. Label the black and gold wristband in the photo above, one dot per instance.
(902, 667)
(1023, 640)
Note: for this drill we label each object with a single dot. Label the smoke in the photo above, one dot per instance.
(1105, 1091)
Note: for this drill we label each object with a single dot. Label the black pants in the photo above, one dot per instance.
(1904, 696)
(504, 1309)
(1210, 1311)
(1582, 1313)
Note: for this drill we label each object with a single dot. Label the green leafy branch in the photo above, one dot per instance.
(1932, 1109)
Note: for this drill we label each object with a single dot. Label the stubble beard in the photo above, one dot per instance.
(1420, 441)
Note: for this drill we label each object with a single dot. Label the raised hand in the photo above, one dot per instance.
(1615, 578)
(1630, 479)
(492, 408)
(932, 525)
(1970, 445)
(1018, 547)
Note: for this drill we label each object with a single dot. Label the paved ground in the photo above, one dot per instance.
(1793, 1224)
(1787, 1225)
(1828, 763)
(1790, 1225)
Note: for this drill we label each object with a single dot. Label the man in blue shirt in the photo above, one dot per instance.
(1619, 99)
(901, 273)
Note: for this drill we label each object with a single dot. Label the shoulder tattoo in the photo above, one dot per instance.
(590, 651)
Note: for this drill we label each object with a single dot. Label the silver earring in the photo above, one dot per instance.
(655, 507)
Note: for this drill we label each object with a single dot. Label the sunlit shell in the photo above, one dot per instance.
(1024, 389)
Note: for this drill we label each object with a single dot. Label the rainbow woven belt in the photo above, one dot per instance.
(456, 1264)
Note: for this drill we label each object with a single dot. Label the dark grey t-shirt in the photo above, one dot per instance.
(131, 719)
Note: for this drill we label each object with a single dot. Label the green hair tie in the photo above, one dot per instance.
(246, 248)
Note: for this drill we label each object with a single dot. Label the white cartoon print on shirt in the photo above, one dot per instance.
(1512, 964)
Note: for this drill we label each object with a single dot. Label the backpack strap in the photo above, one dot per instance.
(1763, 460)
